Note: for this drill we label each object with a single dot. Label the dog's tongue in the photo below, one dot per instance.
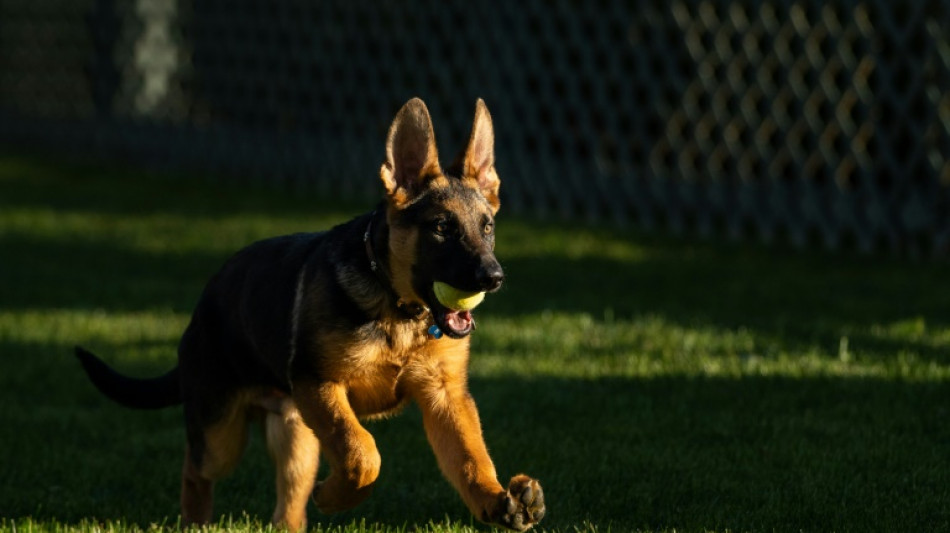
(459, 321)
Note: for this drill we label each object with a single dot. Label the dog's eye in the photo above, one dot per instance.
(441, 227)
(489, 228)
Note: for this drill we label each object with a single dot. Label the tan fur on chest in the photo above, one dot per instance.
(378, 361)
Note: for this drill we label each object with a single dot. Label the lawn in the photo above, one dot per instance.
(650, 383)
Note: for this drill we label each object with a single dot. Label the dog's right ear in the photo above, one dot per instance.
(411, 156)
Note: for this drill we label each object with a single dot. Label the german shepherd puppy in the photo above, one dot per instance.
(308, 333)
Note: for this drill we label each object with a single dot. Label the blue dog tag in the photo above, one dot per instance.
(435, 331)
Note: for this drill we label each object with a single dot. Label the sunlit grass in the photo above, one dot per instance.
(580, 345)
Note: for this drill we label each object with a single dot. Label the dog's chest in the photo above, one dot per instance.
(374, 362)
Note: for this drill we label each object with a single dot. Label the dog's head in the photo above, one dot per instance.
(441, 222)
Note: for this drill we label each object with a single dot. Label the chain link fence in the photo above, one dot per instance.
(816, 123)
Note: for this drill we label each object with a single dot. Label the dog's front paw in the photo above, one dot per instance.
(522, 506)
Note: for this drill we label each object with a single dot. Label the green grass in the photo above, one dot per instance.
(650, 383)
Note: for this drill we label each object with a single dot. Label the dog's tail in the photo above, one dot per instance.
(155, 393)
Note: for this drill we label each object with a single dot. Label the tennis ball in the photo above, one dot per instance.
(456, 299)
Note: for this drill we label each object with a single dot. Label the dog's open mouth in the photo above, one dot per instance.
(455, 324)
(452, 308)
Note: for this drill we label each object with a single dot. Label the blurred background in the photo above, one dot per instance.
(820, 124)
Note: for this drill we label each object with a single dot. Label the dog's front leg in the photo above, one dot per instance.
(350, 449)
(454, 431)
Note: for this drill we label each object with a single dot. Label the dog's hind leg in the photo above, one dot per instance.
(295, 451)
(197, 493)
(211, 454)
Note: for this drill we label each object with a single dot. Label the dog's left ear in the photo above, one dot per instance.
(478, 161)
(411, 156)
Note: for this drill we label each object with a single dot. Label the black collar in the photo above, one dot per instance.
(370, 254)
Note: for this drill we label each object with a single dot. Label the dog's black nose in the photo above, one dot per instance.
(490, 276)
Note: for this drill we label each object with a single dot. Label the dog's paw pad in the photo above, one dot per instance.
(522, 505)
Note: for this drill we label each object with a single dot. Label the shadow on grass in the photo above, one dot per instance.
(86, 274)
(672, 452)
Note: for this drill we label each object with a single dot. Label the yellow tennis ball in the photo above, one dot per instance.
(456, 299)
